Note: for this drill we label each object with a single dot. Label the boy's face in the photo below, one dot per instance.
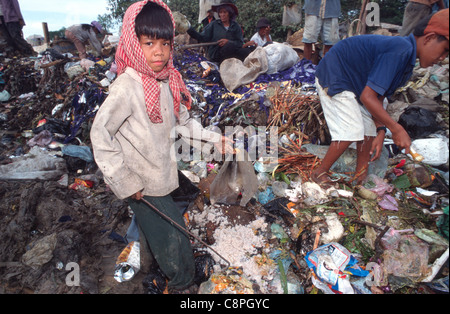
(156, 52)
(433, 50)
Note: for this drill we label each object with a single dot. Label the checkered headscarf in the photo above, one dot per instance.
(129, 54)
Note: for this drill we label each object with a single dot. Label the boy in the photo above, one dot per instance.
(131, 134)
(262, 37)
(354, 78)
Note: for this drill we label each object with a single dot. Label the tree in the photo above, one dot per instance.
(117, 9)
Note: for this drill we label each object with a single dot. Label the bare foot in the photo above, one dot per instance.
(321, 178)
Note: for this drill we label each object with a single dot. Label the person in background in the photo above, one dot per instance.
(226, 32)
(262, 37)
(82, 34)
(209, 18)
(355, 77)
(12, 23)
(415, 11)
(321, 18)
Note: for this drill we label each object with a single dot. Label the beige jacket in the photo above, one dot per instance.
(133, 153)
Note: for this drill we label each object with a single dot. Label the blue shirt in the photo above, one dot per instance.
(384, 63)
(323, 8)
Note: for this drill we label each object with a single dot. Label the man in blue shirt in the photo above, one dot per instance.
(321, 17)
(356, 75)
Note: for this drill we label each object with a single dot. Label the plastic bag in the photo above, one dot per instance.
(235, 178)
(185, 193)
(280, 57)
(419, 122)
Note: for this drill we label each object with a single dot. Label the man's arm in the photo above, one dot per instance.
(374, 105)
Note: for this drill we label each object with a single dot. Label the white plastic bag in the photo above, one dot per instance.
(280, 57)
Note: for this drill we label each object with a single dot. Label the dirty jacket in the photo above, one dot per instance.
(215, 31)
(133, 153)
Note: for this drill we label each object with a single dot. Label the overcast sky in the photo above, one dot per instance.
(59, 13)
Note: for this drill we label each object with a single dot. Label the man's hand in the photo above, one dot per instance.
(377, 147)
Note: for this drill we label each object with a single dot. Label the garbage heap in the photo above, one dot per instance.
(275, 231)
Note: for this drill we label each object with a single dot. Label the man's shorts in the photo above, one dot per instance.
(329, 28)
(347, 120)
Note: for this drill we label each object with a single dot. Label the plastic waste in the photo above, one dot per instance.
(335, 229)
(37, 164)
(82, 152)
(155, 281)
(185, 193)
(328, 262)
(313, 194)
(280, 57)
(377, 185)
(235, 178)
(231, 280)
(204, 263)
(128, 263)
(388, 202)
(43, 139)
(408, 261)
(346, 163)
(279, 188)
(392, 237)
(266, 196)
(434, 150)
(4, 96)
(419, 122)
(41, 251)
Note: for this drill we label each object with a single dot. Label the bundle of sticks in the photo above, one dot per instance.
(294, 110)
(295, 160)
(299, 114)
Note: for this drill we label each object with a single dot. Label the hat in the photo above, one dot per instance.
(263, 22)
(97, 26)
(216, 7)
(438, 24)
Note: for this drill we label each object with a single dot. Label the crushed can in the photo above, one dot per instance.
(128, 263)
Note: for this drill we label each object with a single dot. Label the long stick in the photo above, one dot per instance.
(184, 229)
(199, 45)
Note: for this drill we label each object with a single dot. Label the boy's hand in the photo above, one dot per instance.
(137, 196)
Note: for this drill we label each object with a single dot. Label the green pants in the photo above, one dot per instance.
(169, 245)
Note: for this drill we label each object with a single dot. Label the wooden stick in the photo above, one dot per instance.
(199, 45)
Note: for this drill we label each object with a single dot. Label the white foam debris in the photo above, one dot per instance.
(241, 245)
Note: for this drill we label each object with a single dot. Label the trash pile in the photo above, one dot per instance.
(276, 232)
